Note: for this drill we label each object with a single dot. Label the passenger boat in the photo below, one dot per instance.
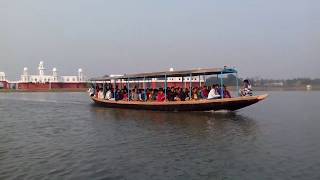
(229, 104)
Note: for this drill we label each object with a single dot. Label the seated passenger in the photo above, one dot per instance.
(176, 95)
(199, 94)
(121, 93)
(161, 97)
(195, 94)
(134, 95)
(125, 88)
(187, 93)
(171, 94)
(108, 95)
(142, 95)
(204, 92)
(117, 95)
(226, 93)
(150, 95)
(147, 94)
(247, 88)
(218, 89)
(155, 94)
(182, 95)
(125, 96)
(100, 94)
(213, 94)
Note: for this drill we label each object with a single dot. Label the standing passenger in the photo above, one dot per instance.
(247, 88)
(91, 91)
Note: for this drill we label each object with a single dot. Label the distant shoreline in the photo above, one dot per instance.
(231, 88)
(263, 88)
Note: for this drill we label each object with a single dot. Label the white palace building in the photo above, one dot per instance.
(54, 77)
(3, 76)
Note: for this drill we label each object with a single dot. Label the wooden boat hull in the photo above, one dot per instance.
(229, 104)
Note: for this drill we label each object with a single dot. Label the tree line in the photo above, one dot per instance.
(231, 80)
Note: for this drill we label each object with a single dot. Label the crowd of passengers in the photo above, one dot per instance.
(171, 94)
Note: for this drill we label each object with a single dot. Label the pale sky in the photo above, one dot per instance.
(261, 38)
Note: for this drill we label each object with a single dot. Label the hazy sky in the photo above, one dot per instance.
(262, 38)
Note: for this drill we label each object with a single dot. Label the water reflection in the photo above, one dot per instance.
(209, 122)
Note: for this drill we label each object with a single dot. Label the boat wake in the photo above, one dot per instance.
(43, 100)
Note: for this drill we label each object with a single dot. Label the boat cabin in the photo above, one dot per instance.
(109, 86)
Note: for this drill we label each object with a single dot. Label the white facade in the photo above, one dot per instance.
(3, 76)
(54, 77)
(69, 78)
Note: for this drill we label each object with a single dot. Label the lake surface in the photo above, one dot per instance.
(63, 136)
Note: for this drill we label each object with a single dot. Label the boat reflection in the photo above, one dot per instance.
(210, 122)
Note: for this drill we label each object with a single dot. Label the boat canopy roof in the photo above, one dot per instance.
(184, 73)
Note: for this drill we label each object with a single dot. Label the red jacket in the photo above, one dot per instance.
(161, 97)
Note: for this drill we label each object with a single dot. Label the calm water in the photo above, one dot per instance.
(63, 136)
